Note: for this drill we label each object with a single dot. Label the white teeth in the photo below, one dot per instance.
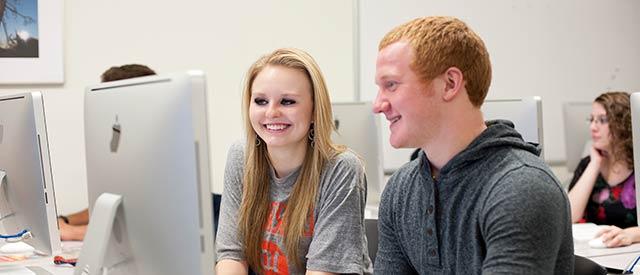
(276, 127)
(395, 119)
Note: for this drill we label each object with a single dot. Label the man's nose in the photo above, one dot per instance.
(380, 105)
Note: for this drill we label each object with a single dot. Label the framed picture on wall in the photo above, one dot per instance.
(31, 50)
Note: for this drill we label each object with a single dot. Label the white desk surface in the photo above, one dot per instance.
(618, 257)
(620, 261)
(582, 248)
(45, 262)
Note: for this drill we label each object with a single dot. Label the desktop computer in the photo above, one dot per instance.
(525, 113)
(576, 132)
(635, 135)
(148, 177)
(358, 128)
(27, 200)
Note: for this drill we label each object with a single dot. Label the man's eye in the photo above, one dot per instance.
(391, 85)
(260, 101)
(287, 101)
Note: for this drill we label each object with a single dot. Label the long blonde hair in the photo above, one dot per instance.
(254, 209)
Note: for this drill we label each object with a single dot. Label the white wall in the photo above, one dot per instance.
(222, 38)
(569, 50)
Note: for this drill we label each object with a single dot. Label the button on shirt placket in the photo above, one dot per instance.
(432, 252)
(430, 231)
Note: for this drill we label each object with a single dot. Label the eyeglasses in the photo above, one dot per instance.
(601, 120)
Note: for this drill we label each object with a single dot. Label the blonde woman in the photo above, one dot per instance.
(293, 201)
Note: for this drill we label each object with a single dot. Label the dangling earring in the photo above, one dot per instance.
(258, 142)
(311, 136)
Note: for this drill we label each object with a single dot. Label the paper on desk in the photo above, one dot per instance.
(16, 270)
(14, 260)
(585, 231)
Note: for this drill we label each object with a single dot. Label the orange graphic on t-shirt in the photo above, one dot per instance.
(274, 261)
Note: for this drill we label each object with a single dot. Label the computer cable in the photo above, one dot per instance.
(23, 235)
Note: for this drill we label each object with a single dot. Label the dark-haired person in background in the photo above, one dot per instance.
(602, 190)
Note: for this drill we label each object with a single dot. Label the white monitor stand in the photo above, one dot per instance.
(99, 232)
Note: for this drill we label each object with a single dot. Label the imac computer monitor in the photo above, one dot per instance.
(27, 200)
(576, 132)
(635, 135)
(358, 128)
(525, 113)
(148, 177)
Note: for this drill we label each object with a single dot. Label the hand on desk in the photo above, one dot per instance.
(614, 236)
(71, 232)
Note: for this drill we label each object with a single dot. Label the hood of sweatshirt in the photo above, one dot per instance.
(499, 135)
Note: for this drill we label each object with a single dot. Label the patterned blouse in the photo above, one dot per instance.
(609, 205)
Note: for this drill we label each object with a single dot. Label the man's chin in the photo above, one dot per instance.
(398, 144)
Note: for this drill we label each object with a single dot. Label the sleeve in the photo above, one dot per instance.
(391, 258)
(526, 225)
(228, 243)
(579, 170)
(338, 244)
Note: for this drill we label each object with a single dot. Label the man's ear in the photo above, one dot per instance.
(453, 83)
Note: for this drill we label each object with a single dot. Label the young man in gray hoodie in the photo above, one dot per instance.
(479, 199)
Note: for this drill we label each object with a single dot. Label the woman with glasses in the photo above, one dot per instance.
(602, 190)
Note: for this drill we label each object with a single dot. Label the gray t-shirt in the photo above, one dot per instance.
(335, 240)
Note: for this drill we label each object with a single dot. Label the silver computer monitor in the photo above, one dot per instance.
(148, 177)
(359, 129)
(525, 113)
(635, 135)
(576, 132)
(27, 200)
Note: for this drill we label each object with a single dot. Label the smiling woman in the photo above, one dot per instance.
(280, 110)
(293, 201)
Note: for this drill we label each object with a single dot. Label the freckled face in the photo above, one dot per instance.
(404, 99)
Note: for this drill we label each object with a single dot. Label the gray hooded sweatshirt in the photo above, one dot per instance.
(495, 208)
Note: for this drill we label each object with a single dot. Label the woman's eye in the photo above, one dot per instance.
(287, 101)
(260, 101)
